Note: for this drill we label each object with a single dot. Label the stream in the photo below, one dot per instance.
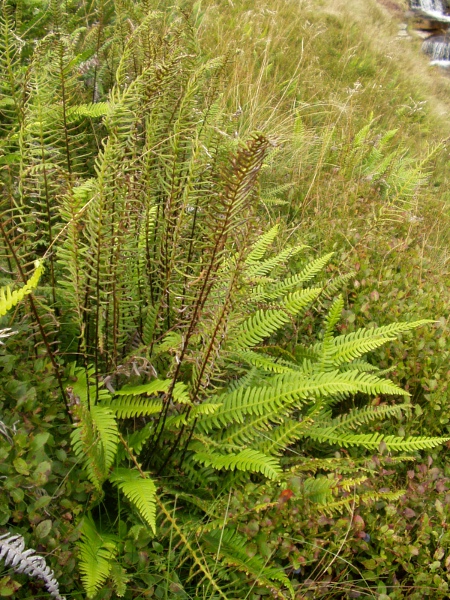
(437, 15)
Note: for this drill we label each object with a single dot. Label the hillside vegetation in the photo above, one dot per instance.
(224, 260)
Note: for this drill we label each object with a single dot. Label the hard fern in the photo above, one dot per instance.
(13, 553)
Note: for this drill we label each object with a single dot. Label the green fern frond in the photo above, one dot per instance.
(140, 492)
(366, 499)
(9, 299)
(230, 547)
(319, 489)
(281, 392)
(266, 362)
(332, 319)
(297, 302)
(95, 440)
(130, 406)
(363, 416)
(87, 111)
(345, 348)
(372, 441)
(96, 553)
(260, 326)
(262, 268)
(277, 441)
(136, 440)
(309, 272)
(246, 460)
(336, 284)
(153, 387)
(260, 247)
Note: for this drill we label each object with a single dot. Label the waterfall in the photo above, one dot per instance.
(434, 9)
(437, 49)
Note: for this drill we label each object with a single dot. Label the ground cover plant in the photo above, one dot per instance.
(181, 386)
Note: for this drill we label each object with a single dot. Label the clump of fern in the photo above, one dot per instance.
(162, 303)
(233, 428)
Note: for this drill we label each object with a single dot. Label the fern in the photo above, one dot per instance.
(247, 460)
(140, 492)
(373, 440)
(13, 553)
(9, 299)
(96, 551)
(229, 546)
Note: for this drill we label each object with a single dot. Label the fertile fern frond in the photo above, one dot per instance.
(140, 492)
(246, 460)
(14, 555)
(9, 299)
(96, 554)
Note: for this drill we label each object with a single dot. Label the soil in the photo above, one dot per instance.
(395, 7)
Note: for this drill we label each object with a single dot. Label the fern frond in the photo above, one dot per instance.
(247, 460)
(14, 555)
(345, 348)
(372, 441)
(260, 247)
(281, 392)
(95, 440)
(89, 111)
(260, 326)
(96, 553)
(277, 441)
(9, 299)
(363, 416)
(140, 492)
(129, 406)
(266, 362)
(319, 489)
(297, 302)
(305, 275)
(153, 387)
(229, 546)
(259, 269)
(366, 499)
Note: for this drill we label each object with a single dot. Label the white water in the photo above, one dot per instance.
(431, 8)
(437, 50)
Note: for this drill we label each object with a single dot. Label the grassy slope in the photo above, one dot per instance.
(313, 74)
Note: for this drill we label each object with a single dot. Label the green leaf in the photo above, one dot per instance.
(247, 460)
(43, 528)
(140, 492)
(96, 553)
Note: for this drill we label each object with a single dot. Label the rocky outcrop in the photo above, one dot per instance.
(432, 21)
